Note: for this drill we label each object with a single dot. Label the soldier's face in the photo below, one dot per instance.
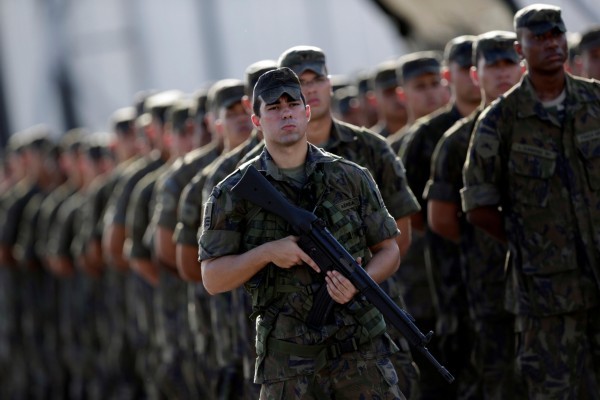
(317, 92)
(462, 84)
(546, 52)
(496, 78)
(391, 105)
(424, 94)
(590, 60)
(284, 122)
(236, 123)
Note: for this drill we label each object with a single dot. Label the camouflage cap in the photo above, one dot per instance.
(345, 98)
(416, 64)
(254, 71)
(98, 145)
(181, 111)
(590, 39)
(158, 104)
(122, 120)
(385, 75)
(225, 93)
(539, 18)
(200, 97)
(364, 82)
(302, 58)
(494, 46)
(37, 137)
(272, 84)
(460, 50)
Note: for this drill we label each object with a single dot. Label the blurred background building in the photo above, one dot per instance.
(71, 63)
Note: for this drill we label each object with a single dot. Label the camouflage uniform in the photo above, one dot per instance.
(482, 268)
(53, 348)
(540, 166)
(172, 294)
(186, 233)
(115, 213)
(294, 360)
(19, 371)
(441, 257)
(115, 358)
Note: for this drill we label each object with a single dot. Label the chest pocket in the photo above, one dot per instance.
(531, 168)
(588, 144)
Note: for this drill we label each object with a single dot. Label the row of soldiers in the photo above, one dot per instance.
(101, 286)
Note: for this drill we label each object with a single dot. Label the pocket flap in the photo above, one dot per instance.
(532, 161)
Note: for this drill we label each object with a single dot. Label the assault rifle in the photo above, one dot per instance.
(316, 241)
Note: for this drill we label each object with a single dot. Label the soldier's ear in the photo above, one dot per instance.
(256, 121)
(446, 75)
(519, 49)
(474, 75)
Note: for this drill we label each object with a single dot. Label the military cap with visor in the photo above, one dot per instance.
(385, 75)
(254, 71)
(304, 58)
(416, 64)
(273, 84)
(225, 93)
(460, 50)
(590, 39)
(495, 46)
(539, 19)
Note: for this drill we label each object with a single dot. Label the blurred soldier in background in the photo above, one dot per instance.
(391, 107)
(589, 51)
(496, 68)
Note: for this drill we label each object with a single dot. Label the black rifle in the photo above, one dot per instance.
(316, 241)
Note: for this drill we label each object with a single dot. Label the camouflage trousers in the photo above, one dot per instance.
(494, 357)
(342, 378)
(558, 357)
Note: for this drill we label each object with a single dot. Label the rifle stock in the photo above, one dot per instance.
(329, 254)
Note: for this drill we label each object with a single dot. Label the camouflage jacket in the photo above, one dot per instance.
(545, 175)
(345, 196)
(481, 257)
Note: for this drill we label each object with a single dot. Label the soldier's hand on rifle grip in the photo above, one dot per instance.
(339, 288)
(285, 253)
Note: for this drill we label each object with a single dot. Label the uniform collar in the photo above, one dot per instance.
(529, 104)
(314, 157)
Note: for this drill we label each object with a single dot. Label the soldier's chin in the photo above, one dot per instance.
(291, 138)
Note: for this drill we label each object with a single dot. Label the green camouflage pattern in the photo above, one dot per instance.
(362, 226)
(553, 354)
(372, 152)
(482, 262)
(542, 174)
(346, 378)
(482, 257)
(189, 212)
(179, 175)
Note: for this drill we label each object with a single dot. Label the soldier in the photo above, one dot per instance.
(391, 107)
(589, 51)
(114, 234)
(530, 181)
(421, 86)
(496, 69)
(115, 355)
(21, 323)
(226, 110)
(366, 99)
(442, 257)
(367, 149)
(346, 107)
(288, 365)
